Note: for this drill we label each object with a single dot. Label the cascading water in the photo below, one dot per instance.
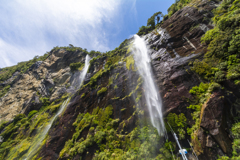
(153, 99)
(35, 146)
(84, 71)
(78, 77)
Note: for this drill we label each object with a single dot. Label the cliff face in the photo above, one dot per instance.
(107, 118)
(43, 79)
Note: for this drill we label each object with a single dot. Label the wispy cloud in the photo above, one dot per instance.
(134, 9)
(30, 28)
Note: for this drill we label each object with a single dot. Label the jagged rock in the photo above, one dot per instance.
(41, 78)
(214, 118)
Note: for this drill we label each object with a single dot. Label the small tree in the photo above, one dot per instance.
(155, 16)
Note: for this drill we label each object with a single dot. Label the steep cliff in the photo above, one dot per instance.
(194, 55)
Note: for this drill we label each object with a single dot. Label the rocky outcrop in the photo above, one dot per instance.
(41, 80)
(214, 119)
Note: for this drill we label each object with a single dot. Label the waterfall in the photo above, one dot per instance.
(35, 146)
(153, 99)
(78, 77)
(84, 71)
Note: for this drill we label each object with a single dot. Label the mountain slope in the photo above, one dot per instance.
(195, 60)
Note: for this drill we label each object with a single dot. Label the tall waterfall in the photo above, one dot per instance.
(40, 138)
(153, 99)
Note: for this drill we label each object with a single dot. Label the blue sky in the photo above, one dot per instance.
(34, 27)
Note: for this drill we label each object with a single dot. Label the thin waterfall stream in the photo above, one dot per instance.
(153, 99)
(36, 146)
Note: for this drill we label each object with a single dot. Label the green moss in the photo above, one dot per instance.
(102, 90)
(130, 62)
(139, 95)
(4, 90)
(32, 113)
(97, 75)
(115, 87)
(116, 76)
(112, 60)
(45, 101)
(99, 117)
(110, 82)
(83, 95)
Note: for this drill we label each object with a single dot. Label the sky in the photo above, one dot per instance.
(33, 27)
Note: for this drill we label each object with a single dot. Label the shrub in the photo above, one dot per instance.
(76, 66)
(177, 122)
(144, 30)
(202, 88)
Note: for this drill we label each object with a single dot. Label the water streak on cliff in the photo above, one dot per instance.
(39, 139)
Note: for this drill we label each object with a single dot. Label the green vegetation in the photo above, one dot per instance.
(112, 61)
(151, 24)
(102, 130)
(130, 62)
(4, 90)
(97, 75)
(45, 101)
(22, 67)
(113, 57)
(102, 90)
(220, 63)
(236, 143)
(202, 94)
(178, 124)
(76, 66)
(24, 132)
(83, 95)
(72, 48)
(179, 4)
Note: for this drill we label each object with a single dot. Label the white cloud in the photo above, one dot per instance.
(32, 27)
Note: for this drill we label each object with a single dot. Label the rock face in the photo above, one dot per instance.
(116, 83)
(42, 79)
